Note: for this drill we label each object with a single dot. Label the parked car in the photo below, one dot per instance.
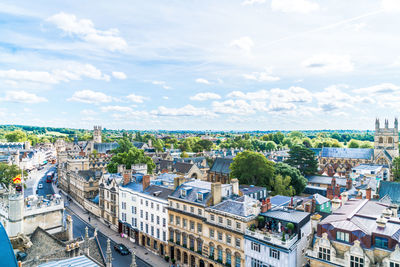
(122, 249)
(21, 256)
(40, 186)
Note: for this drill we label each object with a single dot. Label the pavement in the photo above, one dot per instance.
(144, 257)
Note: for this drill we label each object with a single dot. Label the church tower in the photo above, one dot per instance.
(386, 143)
(97, 134)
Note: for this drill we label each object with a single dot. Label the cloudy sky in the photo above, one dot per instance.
(211, 65)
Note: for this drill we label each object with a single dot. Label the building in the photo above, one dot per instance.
(361, 232)
(327, 186)
(109, 198)
(256, 192)
(389, 191)
(280, 238)
(220, 171)
(83, 185)
(97, 134)
(187, 169)
(143, 212)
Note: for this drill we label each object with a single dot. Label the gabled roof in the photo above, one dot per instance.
(221, 165)
(183, 167)
(158, 191)
(80, 261)
(390, 189)
(347, 153)
(319, 199)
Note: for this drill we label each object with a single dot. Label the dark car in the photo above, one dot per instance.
(21, 256)
(122, 249)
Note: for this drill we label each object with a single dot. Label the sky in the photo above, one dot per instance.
(200, 64)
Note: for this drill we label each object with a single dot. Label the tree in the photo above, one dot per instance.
(278, 137)
(16, 136)
(270, 145)
(304, 159)
(353, 144)
(184, 155)
(252, 168)
(8, 172)
(127, 154)
(396, 168)
(281, 186)
(297, 180)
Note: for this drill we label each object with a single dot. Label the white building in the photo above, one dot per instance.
(266, 247)
(143, 213)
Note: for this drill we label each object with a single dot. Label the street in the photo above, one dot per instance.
(36, 177)
(118, 260)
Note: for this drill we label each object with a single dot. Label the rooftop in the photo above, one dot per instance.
(348, 153)
(80, 261)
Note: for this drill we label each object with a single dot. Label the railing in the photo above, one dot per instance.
(273, 238)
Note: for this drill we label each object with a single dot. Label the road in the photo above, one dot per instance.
(118, 260)
(36, 177)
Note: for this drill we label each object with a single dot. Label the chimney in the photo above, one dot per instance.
(394, 209)
(216, 193)
(235, 186)
(359, 195)
(329, 192)
(266, 205)
(179, 180)
(345, 197)
(336, 202)
(381, 222)
(349, 183)
(313, 205)
(127, 176)
(307, 207)
(368, 193)
(337, 190)
(145, 181)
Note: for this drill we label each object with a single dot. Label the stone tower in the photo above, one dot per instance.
(16, 214)
(97, 134)
(386, 143)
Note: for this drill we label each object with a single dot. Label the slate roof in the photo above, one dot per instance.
(319, 179)
(182, 167)
(80, 261)
(319, 199)
(347, 153)
(233, 206)
(87, 174)
(390, 189)
(105, 147)
(221, 165)
(158, 191)
(250, 189)
(191, 194)
(293, 216)
(6, 250)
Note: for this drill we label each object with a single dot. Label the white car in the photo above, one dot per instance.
(40, 186)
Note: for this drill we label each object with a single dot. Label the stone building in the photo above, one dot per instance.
(97, 134)
(361, 232)
(187, 169)
(108, 198)
(220, 171)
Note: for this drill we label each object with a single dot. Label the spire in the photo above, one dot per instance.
(86, 241)
(386, 123)
(396, 124)
(133, 263)
(377, 124)
(108, 254)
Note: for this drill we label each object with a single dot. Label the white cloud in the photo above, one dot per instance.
(384, 88)
(90, 97)
(294, 6)
(201, 80)
(261, 76)
(162, 84)
(333, 98)
(391, 5)
(116, 109)
(73, 71)
(165, 97)
(22, 97)
(251, 2)
(119, 75)
(237, 107)
(205, 96)
(136, 98)
(262, 94)
(244, 43)
(328, 63)
(294, 94)
(88, 112)
(187, 110)
(84, 29)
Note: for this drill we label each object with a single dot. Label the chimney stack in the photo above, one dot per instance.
(368, 193)
(349, 183)
(313, 205)
(145, 181)
(216, 193)
(266, 205)
(235, 186)
(127, 176)
(178, 181)
(337, 190)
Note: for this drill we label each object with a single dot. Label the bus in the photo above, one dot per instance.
(50, 176)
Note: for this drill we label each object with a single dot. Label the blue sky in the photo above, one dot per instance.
(209, 65)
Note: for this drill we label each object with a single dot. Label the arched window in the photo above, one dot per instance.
(228, 257)
(380, 140)
(220, 254)
(211, 251)
(237, 260)
(390, 140)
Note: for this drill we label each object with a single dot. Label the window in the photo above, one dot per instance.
(381, 242)
(212, 252)
(184, 223)
(183, 193)
(342, 236)
(199, 227)
(158, 220)
(229, 223)
(152, 217)
(237, 242)
(171, 218)
(228, 239)
(191, 225)
(394, 264)
(191, 209)
(141, 226)
(147, 228)
(124, 216)
(228, 258)
(255, 246)
(147, 203)
(219, 236)
(178, 220)
(257, 263)
(141, 214)
(164, 235)
(133, 222)
(155, 245)
(324, 254)
(177, 205)
(124, 205)
(133, 210)
(211, 233)
(356, 261)
(237, 260)
(220, 254)
(238, 225)
(152, 205)
(152, 230)
(199, 211)
(273, 253)
(164, 222)
(141, 201)
(220, 220)
(184, 207)
(199, 197)
(163, 210)
(212, 217)
(158, 207)
(147, 216)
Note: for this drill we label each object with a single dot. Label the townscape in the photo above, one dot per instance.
(136, 204)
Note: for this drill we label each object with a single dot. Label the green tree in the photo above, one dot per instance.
(127, 154)
(16, 136)
(281, 186)
(270, 145)
(353, 144)
(396, 168)
(303, 159)
(278, 137)
(8, 172)
(184, 154)
(252, 168)
(297, 180)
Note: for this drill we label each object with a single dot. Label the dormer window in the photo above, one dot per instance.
(183, 192)
(199, 196)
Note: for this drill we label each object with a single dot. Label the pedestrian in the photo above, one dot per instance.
(89, 218)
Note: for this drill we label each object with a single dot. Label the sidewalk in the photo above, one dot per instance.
(141, 252)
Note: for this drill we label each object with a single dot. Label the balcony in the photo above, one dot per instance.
(273, 237)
